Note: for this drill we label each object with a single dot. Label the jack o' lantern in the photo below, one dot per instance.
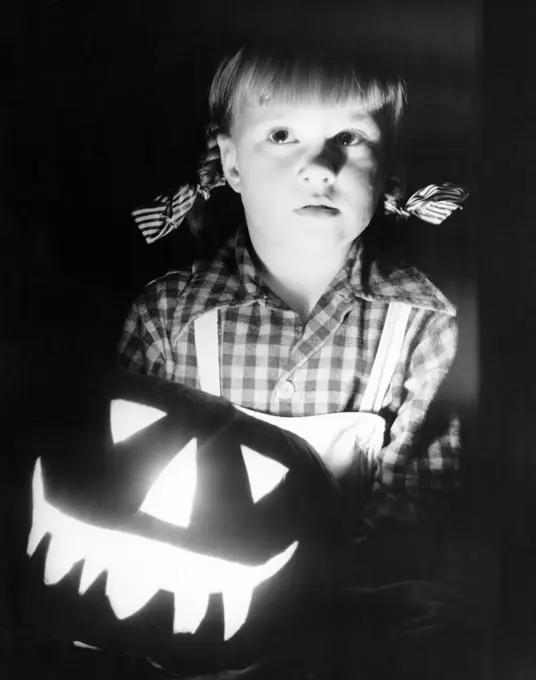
(188, 534)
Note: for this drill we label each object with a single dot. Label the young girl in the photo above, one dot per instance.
(296, 318)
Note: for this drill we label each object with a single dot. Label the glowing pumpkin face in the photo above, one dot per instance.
(186, 536)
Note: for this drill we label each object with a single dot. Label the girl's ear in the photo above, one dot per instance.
(229, 161)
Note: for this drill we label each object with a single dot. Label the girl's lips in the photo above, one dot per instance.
(317, 211)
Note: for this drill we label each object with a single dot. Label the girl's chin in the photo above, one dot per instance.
(314, 235)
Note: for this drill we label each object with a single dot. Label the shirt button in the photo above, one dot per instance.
(285, 390)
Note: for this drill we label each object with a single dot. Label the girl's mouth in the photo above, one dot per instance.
(317, 211)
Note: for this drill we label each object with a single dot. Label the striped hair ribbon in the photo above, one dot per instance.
(165, 214)
(168, 211)
(432, 204)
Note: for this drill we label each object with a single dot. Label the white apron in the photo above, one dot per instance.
(347, 442)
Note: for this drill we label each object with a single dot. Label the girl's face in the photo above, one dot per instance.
(309, 175)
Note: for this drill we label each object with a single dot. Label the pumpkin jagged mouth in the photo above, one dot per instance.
(137, 567)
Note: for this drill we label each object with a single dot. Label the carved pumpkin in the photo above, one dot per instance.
(188, 535)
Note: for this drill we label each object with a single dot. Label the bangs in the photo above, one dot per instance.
(301, 77)
(298, 83)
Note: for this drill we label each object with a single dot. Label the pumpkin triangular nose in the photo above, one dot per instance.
(128, 417)
(171, 497)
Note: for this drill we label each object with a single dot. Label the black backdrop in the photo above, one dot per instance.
(105, 107)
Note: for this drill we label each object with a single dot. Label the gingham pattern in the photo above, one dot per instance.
(263, 343)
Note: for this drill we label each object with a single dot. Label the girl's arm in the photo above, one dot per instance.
(413, 471)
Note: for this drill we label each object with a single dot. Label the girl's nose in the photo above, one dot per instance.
(320, 167)
(317, 173)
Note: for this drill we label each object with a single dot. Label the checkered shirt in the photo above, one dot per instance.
(263, 344)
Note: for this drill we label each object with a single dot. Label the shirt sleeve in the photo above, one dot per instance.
(144, 346)
(413, 470)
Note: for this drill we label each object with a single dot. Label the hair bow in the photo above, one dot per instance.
(433, 204)
(167, 211)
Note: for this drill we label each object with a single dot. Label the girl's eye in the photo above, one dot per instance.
(279, 136)
(349, 138)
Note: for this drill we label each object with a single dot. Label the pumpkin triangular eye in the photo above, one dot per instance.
(264, 473)
(171, 497)
(128, 417)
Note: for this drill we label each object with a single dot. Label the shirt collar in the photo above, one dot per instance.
(248, 271)
(381, 280)
(360, 278)
(230, 277)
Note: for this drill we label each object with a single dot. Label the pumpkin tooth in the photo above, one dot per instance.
(36, 535)
(39, 515)
(128, 595)
(61, 557)
(39, 529)
(190, 609)
(275, 564)
(239, 585)
(236, 604)
(90, 572)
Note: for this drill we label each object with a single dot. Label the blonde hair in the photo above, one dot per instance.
(295, 73)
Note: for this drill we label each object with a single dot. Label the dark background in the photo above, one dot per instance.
(105, 108)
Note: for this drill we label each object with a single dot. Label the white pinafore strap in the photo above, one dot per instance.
(207, 349)
(208, 354)
(387, 355)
